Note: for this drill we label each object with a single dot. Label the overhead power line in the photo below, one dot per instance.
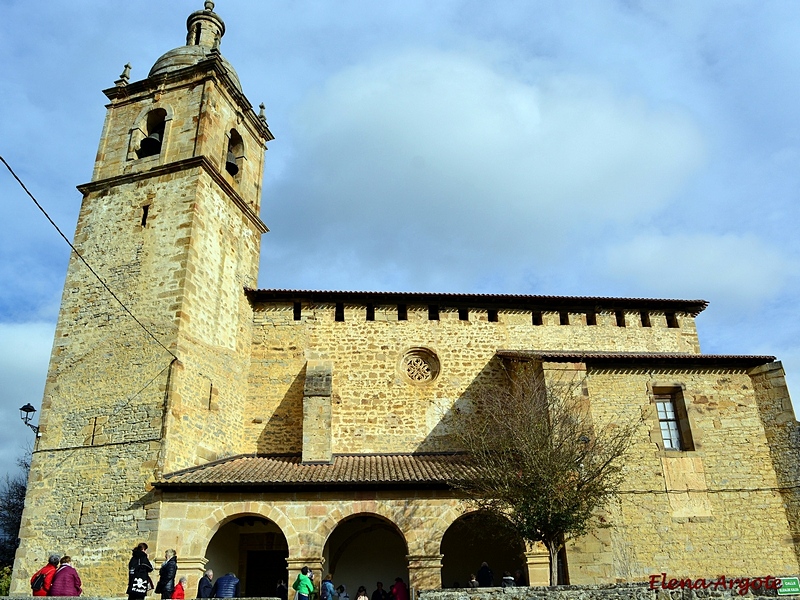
(83, 260)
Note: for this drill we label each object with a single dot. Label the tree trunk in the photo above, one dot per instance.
(552, 548)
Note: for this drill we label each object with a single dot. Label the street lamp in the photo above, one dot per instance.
(26, 414)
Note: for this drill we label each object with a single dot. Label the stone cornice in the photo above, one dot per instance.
(174, 167)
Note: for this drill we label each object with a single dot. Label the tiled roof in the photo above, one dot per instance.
(507, 301)
(346, 470)
(648, 358)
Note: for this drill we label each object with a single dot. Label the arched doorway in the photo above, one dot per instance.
(365, 549)
(255, 549)
(476, 538)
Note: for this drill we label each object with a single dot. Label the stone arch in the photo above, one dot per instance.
(224, 514)
(249, 539)
(474, 538)
(365, 547)
(155, 118)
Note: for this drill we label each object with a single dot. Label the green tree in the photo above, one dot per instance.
(538, 459)
(12, 501)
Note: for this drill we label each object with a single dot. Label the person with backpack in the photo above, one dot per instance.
(326, 589)
(139, 569)
(42, 580)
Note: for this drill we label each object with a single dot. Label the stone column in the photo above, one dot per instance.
(317, 434)
(424, 573)
(191, 567)
(296, 563)
(538, 560)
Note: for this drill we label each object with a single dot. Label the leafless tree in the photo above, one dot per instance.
(538, 458)
(12, 500)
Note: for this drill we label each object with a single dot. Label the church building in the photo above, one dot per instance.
(255, 431)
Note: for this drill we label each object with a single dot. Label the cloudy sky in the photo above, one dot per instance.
(595, 147)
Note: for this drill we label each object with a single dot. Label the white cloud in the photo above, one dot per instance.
(731, 269)
(433, 154)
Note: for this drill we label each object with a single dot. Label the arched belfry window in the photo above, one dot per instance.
(152, 134)
(235, 155)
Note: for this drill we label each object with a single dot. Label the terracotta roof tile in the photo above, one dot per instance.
(282, 471)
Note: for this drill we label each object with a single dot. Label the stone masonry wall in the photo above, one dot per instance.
(376, 408)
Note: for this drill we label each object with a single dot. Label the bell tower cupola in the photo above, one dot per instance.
(204, 27)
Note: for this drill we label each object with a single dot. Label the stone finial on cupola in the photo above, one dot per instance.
(204, 27)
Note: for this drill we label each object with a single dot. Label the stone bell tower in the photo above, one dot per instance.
(149, 374)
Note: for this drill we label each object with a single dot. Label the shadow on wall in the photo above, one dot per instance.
(440, 438)
(284, 432)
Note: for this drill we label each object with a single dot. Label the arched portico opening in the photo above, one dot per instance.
(364, 549)
(476, 538)
(255, 549)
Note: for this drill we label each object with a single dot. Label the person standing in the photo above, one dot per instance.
(326, 589)
(341, 592)
(47, 573)
(485, 576)
(166, 575)
(180, 589)
(281, 591)
(380, 593)
(303, 585)
(226, 586)
(204, 587)
(508, 580)
(399, 590)
(66, 581)
(139, 569)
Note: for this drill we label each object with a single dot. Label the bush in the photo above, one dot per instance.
(5, 580)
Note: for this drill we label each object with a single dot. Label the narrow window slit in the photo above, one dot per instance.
(370, 312)
(339, 312)
(563, 317)
(145, 212)
(433, 312)
(298, 311)
(620, 315)
(536, 317)
(672, 320)
(402, 312)
(591, 318)
(645, 316)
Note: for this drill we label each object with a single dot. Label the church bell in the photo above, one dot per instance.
(151, 144)
(230, 164)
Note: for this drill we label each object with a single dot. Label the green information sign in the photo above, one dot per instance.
(789, 586)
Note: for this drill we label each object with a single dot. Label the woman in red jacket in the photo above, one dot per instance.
(66, 581)
(180, 589)
(48, 571)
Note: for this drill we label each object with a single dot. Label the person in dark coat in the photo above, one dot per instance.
(485, 576)
(282, 590)
(204, 587)
(226, 586)
(380, 593)
(139, 569)
(166, 575)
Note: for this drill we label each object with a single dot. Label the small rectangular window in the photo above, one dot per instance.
(402, 312)
(297, 311)
(673, 421)
(463, 314)
(370, 312)
(672, 320)
(433, 312)
(591, 318)
(536, 317)
(645, 317)
(491, 316)
(620, 314)
(563, 317)
(339, 313)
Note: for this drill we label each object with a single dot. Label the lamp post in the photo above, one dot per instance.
(26, 414)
